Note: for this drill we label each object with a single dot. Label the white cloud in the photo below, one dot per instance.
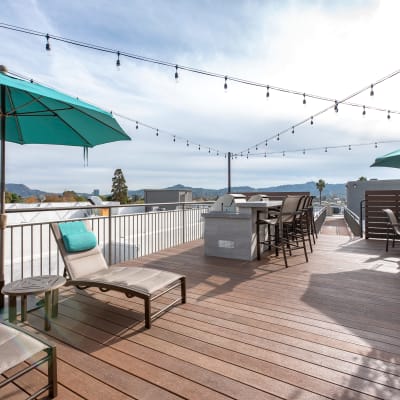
(326, 48)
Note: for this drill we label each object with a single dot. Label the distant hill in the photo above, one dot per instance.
(331, 189)
(335, 189)
(23, 190)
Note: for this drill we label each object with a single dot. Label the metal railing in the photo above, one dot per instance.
(319, 217)
(30, 248)
(353, 222)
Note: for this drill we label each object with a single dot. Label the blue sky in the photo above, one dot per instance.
(328, 48)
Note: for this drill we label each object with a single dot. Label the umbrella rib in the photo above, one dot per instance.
(74, 108)
(10, 99)
(82, 112)
(39, 113)
(34, 100)
(88, 144)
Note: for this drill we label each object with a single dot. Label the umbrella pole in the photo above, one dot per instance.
(3, 218)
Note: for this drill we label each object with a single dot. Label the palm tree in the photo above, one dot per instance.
(320, 186)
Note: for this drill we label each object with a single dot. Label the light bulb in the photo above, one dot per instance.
(48, 48)
(118, 62)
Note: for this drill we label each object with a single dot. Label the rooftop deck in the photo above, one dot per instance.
(329, 328)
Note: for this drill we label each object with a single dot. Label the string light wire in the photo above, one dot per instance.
(225, 77)
(268, 87)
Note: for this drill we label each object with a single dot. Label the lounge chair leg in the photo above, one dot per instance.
(183, 290)
(52, 372)
(147, 312)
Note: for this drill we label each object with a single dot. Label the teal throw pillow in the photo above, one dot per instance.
(80, 241)
(72, 227)
(76, 237)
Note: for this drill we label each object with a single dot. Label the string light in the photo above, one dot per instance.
(266, 142)
(199, 147)
(190, 69)
(324, 148)
(187, 143)
(176, 73)
(312, 121)
(48, 48)
(137, 125)
(336, 107)
(278, 138)
(292, 130)
(174, 139)
(304, 98)
(265, 155)
(47, 36)
(226, 84)
(209, 151)
(364, 112)
(283, 153)
(118, 62)
(256, 147)
(267, 95)
(157, 132)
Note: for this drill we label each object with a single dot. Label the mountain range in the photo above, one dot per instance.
(331, 189)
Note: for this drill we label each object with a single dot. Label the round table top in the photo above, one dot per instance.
(34, 285)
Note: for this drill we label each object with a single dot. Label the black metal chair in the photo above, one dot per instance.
(17, 346)
(283, 231)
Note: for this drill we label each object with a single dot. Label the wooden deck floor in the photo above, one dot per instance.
(329, 328)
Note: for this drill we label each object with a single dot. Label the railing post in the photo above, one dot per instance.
(361, 218)
(109, 237)
(183, 224)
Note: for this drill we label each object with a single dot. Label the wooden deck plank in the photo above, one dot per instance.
(329, 328)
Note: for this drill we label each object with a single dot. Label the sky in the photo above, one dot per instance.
(326, 48)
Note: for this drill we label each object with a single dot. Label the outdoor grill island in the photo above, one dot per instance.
(230, 232)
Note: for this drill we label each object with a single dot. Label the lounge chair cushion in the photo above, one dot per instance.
(16, 347)
(76, 237)
(143, 280)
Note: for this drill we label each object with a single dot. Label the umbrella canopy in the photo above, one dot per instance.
(37, 114)
(388, 160)
(32, 113)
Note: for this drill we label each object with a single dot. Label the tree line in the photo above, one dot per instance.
(119, 192)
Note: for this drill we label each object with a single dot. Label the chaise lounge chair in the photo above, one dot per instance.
(17, 346)
(88, 268)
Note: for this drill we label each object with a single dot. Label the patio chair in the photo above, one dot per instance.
(88, 268)
(283, 232)
(17, 346)
(393, 227)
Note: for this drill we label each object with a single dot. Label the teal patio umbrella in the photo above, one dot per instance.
(31, 113)
(388, 160)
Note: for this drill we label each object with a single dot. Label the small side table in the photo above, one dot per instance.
(47, 284)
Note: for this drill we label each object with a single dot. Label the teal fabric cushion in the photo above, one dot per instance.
(76, 237)
(72, 227)
(80, 241)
